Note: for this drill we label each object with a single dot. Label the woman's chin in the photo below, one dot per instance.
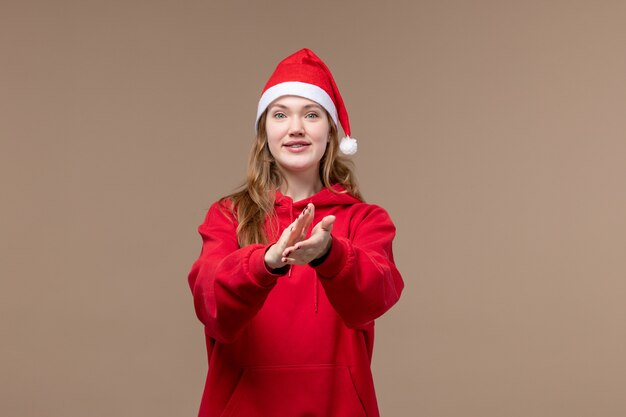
(298, 167)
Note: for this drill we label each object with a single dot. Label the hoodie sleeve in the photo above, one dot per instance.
(359, 276)
(229, 284)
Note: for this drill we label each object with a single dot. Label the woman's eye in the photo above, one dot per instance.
(279, 115)
(312, 116)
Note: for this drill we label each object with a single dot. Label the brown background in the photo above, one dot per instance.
(492, 131)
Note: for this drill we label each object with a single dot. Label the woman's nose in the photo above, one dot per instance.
(296, 128)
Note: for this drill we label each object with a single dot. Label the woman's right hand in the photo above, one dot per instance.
(293, 234)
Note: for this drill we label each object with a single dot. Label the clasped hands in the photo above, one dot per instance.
(293, 248)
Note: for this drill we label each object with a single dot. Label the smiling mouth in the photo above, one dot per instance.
(296, 144)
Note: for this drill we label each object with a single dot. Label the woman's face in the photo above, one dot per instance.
(297, 133)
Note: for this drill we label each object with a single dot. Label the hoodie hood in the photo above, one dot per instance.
(327, 196)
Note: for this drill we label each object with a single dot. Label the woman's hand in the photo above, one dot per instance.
(312, 248)
(293, 234)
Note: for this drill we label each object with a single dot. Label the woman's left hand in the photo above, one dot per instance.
(312, 248)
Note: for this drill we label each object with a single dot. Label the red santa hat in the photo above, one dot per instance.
(304, 74)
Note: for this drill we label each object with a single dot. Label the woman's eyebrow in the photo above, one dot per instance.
(307, 106)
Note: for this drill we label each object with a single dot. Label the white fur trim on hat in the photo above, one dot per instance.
(297, 88)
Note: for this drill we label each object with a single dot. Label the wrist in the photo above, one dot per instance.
(270, 260)
(321, 258)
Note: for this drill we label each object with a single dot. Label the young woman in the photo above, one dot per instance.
(295, 267)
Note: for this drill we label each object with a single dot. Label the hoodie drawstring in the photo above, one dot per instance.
(316, 294)
(291, 216)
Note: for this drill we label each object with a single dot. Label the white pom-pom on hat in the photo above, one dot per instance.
(304, 74)
(348, 145)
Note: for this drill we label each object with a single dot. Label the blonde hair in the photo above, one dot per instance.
(253, 204)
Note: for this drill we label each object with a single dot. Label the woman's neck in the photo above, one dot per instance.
(299, 187)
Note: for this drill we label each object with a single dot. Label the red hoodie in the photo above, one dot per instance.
(298, 344)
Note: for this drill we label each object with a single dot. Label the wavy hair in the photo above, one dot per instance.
(253, 204)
